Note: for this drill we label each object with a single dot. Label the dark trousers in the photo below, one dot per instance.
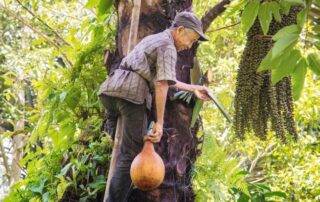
(134, 119)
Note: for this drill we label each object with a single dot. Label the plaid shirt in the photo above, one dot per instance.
(152, 59)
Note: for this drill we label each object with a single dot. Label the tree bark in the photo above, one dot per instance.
(134, 25)
(179, 144)
(5, 159)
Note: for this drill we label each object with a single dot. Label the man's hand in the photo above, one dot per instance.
(202, 93)
(156, 133)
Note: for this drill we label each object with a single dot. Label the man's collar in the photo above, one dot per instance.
(168, 32)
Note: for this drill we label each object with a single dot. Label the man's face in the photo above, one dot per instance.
(184, 38)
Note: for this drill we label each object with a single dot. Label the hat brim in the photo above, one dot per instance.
(202, 36)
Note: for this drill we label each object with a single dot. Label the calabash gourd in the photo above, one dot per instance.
(147, 169)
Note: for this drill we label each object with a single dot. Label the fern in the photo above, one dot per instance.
(217, 172)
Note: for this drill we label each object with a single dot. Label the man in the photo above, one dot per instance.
(150, 65)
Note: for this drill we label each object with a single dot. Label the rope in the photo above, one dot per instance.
(129, 190)
(174, 187)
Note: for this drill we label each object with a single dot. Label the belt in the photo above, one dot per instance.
(149, 105)
(128, 68)
(120, 67)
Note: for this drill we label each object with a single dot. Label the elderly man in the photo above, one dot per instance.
(150, 65)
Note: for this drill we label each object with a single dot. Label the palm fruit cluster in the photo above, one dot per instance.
(259, 105)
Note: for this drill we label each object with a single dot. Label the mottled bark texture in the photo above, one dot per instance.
(257, 101)
(179, 144)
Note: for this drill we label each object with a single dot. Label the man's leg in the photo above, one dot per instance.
(135, 127)
(111, 115)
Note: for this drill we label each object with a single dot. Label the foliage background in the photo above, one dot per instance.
(66, 157)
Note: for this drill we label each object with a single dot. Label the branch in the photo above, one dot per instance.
(213, 13)
(133, 35)
(44, 23)
(135, 15)
(225, 27)
(5, 161)
(258, 180)
(9, 12)
(61, 13)
(315, 12)
(84, 7)
(261, 155)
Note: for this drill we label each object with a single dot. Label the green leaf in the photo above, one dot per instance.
(62, 186)
(262, 187)
(286, 66)
(314, 63)
(67, 131)
(249, 15)
(73, 96)
(220, 106)
(99, 183)
(234, 7)
(64, 170)
(104, 6)
(275, 193)
(268, 63)
(46, 197)
(275, 8)
(316, 29)
(38, 188)
(61, 115)
(295, 1)
(189, 97)
(177, 95)
(243, 198)
(265, 16)
(196, 110)
(98, 33)
(285, 7)
(286, 31)
(298, 77)
(283, 43)
(302, 17)
(92, 3)
(63, 96)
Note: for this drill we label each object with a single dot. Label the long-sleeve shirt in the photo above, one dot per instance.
(152, 59)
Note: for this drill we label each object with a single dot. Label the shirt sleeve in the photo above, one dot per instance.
(166, 64)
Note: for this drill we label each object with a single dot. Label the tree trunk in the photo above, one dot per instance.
(4, 157)
(18, 140)
(178, 146)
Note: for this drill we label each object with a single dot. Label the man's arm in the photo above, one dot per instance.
(161, 90)
(165, 76)
(200, 91)
(186, 87)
